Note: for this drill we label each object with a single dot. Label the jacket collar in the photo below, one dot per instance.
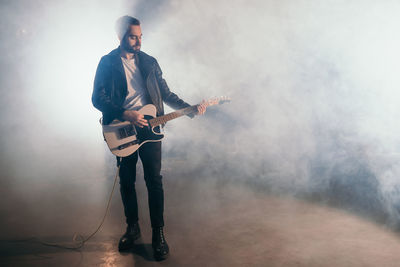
(146, 65)
(116, 61)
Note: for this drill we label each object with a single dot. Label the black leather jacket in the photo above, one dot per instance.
(110, 86)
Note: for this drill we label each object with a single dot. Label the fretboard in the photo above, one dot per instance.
(173, 115)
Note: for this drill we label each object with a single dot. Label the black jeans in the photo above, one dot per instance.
(150, 155)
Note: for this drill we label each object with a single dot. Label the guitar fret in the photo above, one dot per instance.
(185, 111)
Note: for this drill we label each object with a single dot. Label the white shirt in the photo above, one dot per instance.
(137, 95)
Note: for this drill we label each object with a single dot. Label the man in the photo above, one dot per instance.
(126, 80)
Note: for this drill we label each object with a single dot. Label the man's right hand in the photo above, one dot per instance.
(135, 117)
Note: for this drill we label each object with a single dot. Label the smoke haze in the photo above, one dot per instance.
(314, 89)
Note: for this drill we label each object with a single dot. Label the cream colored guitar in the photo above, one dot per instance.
(123, 138)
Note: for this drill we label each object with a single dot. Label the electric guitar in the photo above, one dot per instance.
(123, 138)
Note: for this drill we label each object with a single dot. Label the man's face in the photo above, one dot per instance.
(132, 40)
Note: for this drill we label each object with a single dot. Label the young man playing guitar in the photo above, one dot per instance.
(126, 80)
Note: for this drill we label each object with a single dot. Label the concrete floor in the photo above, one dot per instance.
(209, 223)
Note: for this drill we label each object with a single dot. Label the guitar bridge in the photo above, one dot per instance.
(135, 142)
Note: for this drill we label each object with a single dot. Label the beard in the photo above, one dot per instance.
(134, 49)
(130, 49)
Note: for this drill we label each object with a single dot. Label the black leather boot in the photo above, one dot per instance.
(127, 240)
(159, 244)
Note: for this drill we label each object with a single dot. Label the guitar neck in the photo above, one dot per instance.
(173, 115)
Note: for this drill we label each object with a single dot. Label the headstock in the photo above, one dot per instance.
(217, 100)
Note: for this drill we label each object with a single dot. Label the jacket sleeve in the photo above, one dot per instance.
(170, 98)
(102, 90)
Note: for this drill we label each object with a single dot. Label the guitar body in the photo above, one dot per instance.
(123, 138)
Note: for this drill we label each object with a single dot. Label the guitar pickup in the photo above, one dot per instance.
(126, 131)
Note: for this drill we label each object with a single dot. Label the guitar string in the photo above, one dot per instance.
(173, 115)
